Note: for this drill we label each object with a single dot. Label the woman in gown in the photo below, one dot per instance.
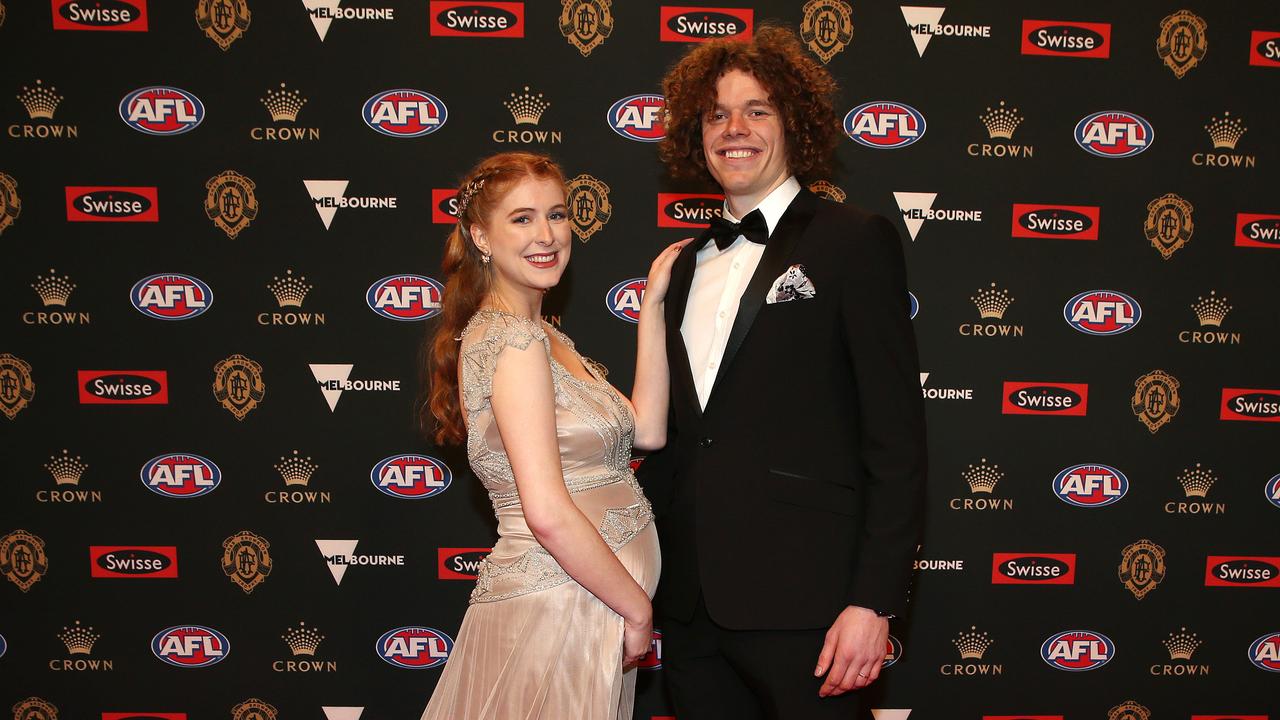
(561, 609)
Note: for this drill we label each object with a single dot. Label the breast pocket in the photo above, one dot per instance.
(809, 492)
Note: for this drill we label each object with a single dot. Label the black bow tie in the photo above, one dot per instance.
(724, 232)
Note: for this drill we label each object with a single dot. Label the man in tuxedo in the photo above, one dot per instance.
(790, 491)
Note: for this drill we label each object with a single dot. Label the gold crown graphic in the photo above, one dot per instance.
(992, 303)
(289, 291)
(1211, 310)
(53, 290)
(983, 478)
(303, 640)
(1226, 132)
(1001, 122)
(526, 109)
(1196, 482)
(79, 640)
(972, 645)
(296, 470)
(66, 470)
(283, 104)
(40, 101)
(1181, 646)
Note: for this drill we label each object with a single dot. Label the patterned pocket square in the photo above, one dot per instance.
(791, 285)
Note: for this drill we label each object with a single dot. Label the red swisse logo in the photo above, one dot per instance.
(684, 210)
(1246, 404)
(133, 561)
(1022, 717)
(1033, 569)
(1228, 717)
(123, 387)
(1061, 222)
(127, 15)
(1066, 38)
(477, 19)
(1242, 571)
(700, 24)
(1257, 230)
(1264, 48)
(460, 563)
(1032, 398)
(143, 716)
(444, 206)
(112, 203)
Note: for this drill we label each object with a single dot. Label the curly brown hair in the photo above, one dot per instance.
(800, 88)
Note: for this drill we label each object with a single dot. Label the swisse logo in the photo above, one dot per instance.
(683, 210)
(171, 296)
(1078, 650)
(652, 660)
(1264, 48)
(1063, 222)
(700, 24)
(1246, 404)
(411, 477)
(1239, 571)
(161, 110)
(623, 299)
(112, 204)
(1090, 485)
(1033, 569)
(444, 206)
(460, 563)
(884, 125)
(404, 113)
(123, 387)
(143, 716)
(1066, 38)
(892, 652)
(405, 297)
(133, 561)
(1102, 312)
(190, 646)
(1029, 398)
(1114, 134)
(414, 648)
(181, 475)
(477, 19)
(639, 117)
(118, 15)
(1256, 230)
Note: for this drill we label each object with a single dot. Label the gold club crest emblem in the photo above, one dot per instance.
(245, 560)
(237, 384)
(827, 27)
(586, 23)
(1, 13)
(1142, 567)
(253, 709)
(1129, 710)
(1169, 225)
(230, 202)
(22, 559)
(1155, 399)
(1182, 41)
(825, 189)
(223, 21)
(16, 386)
(589, 208)
(33, 708)
(10, 203)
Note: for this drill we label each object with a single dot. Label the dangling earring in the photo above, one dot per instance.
(486, 258)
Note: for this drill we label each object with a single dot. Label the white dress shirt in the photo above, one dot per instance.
(719, 280)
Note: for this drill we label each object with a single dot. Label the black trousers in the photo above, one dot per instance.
(713, 673)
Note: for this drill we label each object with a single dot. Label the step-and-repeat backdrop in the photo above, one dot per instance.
(221, 224)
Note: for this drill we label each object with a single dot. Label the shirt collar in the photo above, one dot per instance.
(773, 205)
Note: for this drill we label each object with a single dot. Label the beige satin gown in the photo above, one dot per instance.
(534, 643)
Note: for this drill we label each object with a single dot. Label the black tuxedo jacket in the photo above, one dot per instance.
(799, 489)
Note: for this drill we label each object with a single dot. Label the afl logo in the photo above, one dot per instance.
(1265, 652)
(653, 659)
(623, 299)
(190, 646)
(1078, 650)
(414, 648)
(892, 651)
(1102, 312)
(1273, 491)
(915, 305)
(171, 296)
(884, 125)
(404, 113)
(1114, 134)
(181, 475)
(411, 477)
(161, 110)
(639, 117)
(405, 297)
(1090, 485)
(3, 646)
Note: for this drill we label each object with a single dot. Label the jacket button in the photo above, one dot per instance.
(705, 442)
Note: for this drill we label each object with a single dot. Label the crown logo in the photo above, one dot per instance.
(1226, 132)
(289, 291)
(79, 640)
(1211, 310)
(992, 303)
(526, 109)
(66, 470)
(40, 101)
(1181, 646)
(296, 470)
(302, 640)
(284, 105)
(1196, 482)
(983, 478)
(973, 644)
(53, 290)
(1001, 122)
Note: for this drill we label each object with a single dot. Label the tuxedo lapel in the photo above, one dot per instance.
(681, 374)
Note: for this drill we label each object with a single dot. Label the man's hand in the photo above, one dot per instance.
(853, 651)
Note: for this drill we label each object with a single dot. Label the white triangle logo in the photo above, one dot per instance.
(335, 549)
(322, 23)
(342, 713)
(917, 16)
(325, 373)
(924, 377)
(908, 201)
(331, 190)
(890, 714)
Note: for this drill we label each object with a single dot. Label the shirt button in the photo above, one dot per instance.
(737, 266)
(721, 313)
(712, 364)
